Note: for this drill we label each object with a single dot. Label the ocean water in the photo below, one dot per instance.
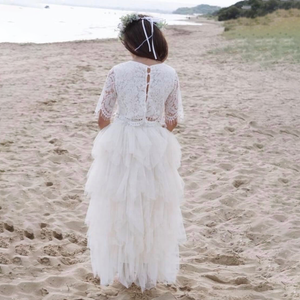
(62, 23)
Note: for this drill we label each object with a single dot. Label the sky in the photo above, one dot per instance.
(169, 5)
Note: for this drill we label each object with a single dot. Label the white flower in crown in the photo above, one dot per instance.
(125, 21)
(129, 18)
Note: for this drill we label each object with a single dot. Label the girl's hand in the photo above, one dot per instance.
(102, 121)
(171, 125)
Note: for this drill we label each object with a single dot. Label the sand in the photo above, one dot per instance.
(241, 165)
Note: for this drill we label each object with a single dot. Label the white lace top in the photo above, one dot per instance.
(139, 94)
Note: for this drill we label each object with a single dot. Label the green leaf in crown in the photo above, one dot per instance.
(129, 18)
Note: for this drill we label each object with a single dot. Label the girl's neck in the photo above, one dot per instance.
(146, 61)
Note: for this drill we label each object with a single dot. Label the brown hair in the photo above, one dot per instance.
(134, 36)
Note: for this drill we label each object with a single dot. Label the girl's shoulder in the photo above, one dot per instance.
(131, 65)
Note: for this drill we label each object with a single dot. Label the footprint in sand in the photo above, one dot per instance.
(228, 260)
(230, 129)
(6, 143)
(29, 233)
(226, 167)
(239, 182)
(4, 260)
(57, 234)
(224, 280)
(69, 261)
(60, 151)
(52, 250)
(258, 146)
(8, 225)
(280, 218)
(4, 242)
(44, 292)
(90, 278)
(46, 234)
(17, 260)
(44, 261)
(23, 250)
(283, 180)
(53, 141)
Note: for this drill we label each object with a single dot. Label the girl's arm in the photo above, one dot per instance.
(173, 106)
(107, 101)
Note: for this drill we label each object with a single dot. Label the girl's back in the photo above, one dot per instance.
(142, 93)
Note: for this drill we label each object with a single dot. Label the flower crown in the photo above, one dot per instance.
(129, 18)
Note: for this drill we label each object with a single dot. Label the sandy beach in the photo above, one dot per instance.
(240, 163)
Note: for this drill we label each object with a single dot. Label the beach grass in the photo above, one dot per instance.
(270, 39)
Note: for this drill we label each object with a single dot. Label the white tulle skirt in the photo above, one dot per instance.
(134, 218)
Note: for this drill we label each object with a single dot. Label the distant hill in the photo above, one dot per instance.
(254, 8)
(199, 9)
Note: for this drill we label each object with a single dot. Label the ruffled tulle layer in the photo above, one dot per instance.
(134, 218)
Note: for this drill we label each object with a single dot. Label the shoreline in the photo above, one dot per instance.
(97, 40)
(72, 6)
(61, 25)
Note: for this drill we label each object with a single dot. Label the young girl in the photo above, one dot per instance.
(134, 216)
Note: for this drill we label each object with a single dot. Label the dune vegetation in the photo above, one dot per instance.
(269, 39)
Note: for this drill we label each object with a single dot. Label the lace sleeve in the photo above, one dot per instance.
(173, 105)
(107, 98)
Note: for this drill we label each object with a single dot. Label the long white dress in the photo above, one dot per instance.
(134, 219)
